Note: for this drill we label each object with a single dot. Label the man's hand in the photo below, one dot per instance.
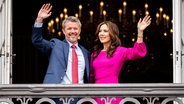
(44, 12)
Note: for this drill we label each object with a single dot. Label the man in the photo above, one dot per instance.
(60, 52)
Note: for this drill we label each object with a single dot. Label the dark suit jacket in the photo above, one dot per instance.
(57, 51)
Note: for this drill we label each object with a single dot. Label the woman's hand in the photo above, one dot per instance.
(142, 24)
(44, 12)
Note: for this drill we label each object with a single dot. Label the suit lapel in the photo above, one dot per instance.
(66, 52)
(86, 61)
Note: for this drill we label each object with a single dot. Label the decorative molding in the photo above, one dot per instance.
(136, 93)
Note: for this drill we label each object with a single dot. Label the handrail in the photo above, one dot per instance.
(84, 90)
(137, 93)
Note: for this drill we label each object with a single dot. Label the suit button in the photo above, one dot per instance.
(61, 77)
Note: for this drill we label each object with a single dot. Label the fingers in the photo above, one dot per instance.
(148, 22)
(140, 20)
(43, 6)
(47, 7)
(147, 19)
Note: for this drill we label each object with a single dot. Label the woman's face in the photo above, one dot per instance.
(104, 34)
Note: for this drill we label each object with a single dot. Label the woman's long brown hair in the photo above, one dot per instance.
(114, 36)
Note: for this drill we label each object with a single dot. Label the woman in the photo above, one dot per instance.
(109, 56)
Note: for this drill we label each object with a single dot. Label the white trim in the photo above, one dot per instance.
(5, 41)
(177, 72)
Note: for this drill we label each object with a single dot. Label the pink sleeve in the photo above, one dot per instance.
(139, 50)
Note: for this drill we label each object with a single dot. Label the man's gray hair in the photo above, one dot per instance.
(71, 19)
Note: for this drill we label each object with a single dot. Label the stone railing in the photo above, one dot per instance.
(152, 93)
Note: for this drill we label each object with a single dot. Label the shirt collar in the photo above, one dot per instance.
(70, 44)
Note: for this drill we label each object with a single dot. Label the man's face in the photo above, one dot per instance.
(72, 31)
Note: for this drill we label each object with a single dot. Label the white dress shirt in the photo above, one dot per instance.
(81, 66)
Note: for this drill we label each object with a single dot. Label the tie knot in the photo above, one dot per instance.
(73, 46)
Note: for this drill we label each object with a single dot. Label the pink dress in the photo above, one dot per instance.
(105, 70)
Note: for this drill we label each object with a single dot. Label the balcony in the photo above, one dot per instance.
(152, 93)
